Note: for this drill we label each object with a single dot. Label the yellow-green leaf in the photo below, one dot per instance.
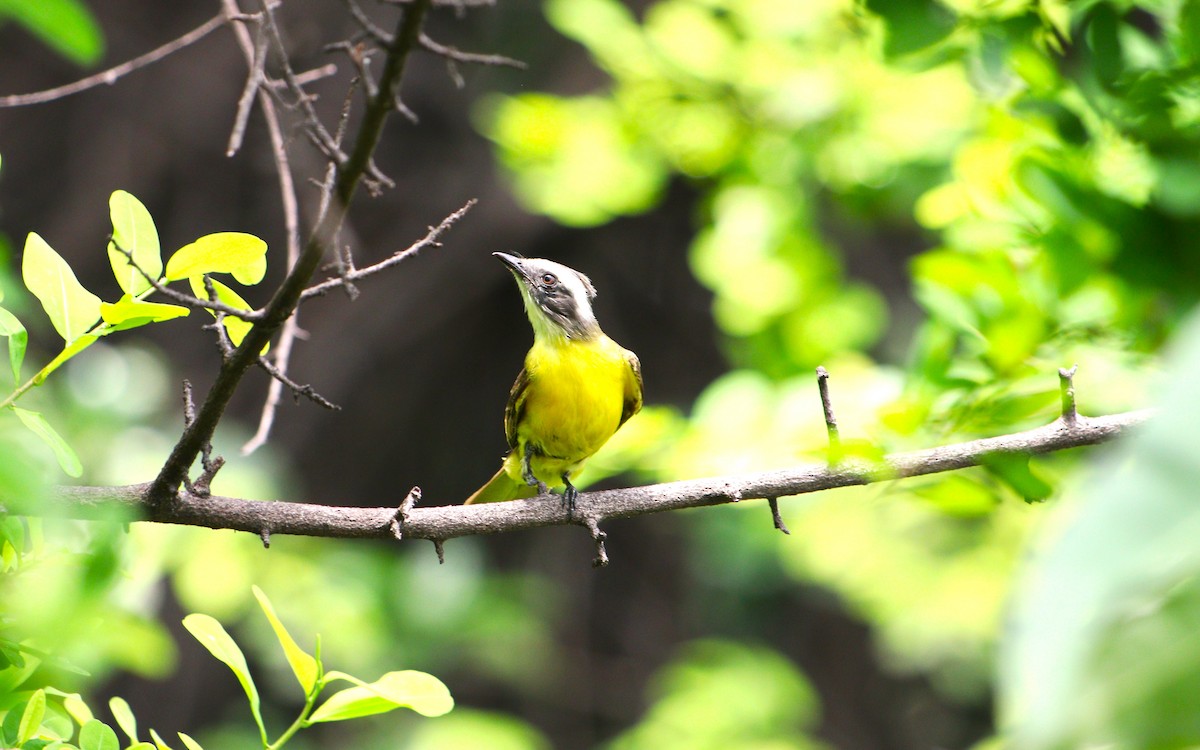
(124, 716)
(303, 664)
(72, 309)
(213, 637)
(130, 313)
(243, 255)
(96, 735)
(31, 718)
(18, 338)
(420, 691)
(159, 744)
(133, 232)
(188, 742)
(62, 452)
(79, 710)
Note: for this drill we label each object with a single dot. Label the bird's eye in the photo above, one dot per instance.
(549, 279)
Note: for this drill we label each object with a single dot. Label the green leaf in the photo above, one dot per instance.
(243, 255)
(124, 716)
(188, 742)
(303, 664)
(96, 735)
(71, 349)
(213, 637)
(65, 25)
(31, 717)
(421, 692)
(79, 710)
(130, 313)
(235, 327)
(141, 746)
(1014, 470)
(18, 338)
(72, 309)
(912, 25)
(133, 232)
(62, 452)
(159, 744)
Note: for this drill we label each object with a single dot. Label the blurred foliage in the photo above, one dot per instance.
(726, 695)
(1043, 153)
(1102, 648)
(67, 26)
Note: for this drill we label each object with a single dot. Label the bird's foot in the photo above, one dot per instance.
(569, 496)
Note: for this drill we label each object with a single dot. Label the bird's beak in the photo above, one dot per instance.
(514, 263)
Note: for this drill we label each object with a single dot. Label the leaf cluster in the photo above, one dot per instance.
(49, 719)
(82, 318)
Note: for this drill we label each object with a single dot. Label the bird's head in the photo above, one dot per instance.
(557, 299)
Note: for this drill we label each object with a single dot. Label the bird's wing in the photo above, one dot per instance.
(633, 387)
(516, 405)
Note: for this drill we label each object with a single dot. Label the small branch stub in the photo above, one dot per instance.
(1066, 384)
(778, 519)
(831, 427)
(397, 524)
(441, 551)
(598, 536)
(265, 536)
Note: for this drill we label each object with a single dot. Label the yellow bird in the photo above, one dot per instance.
(577, 388)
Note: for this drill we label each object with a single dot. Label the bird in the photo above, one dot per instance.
(577, 388)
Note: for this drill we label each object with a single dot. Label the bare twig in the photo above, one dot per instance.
(447, 522)
(429, 240)
(472, 58)
(254, 79)
(113, 74)
(831, 427)
(297, 389)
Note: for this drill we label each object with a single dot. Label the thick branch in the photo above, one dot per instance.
(445, 522)
(284, 302)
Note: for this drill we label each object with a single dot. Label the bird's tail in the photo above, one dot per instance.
(501, 487)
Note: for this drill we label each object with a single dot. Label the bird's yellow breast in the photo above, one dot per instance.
(575, 397)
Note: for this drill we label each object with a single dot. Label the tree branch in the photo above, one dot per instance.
(164, 488)
(113, 74)
(446, 522)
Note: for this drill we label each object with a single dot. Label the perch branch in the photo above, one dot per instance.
(439, 523)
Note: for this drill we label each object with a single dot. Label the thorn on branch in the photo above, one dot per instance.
(831, 427)
(778, 519)
(265, 536)
(441, 551)
(1066, 384)
(397, 524)
(598, 537)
